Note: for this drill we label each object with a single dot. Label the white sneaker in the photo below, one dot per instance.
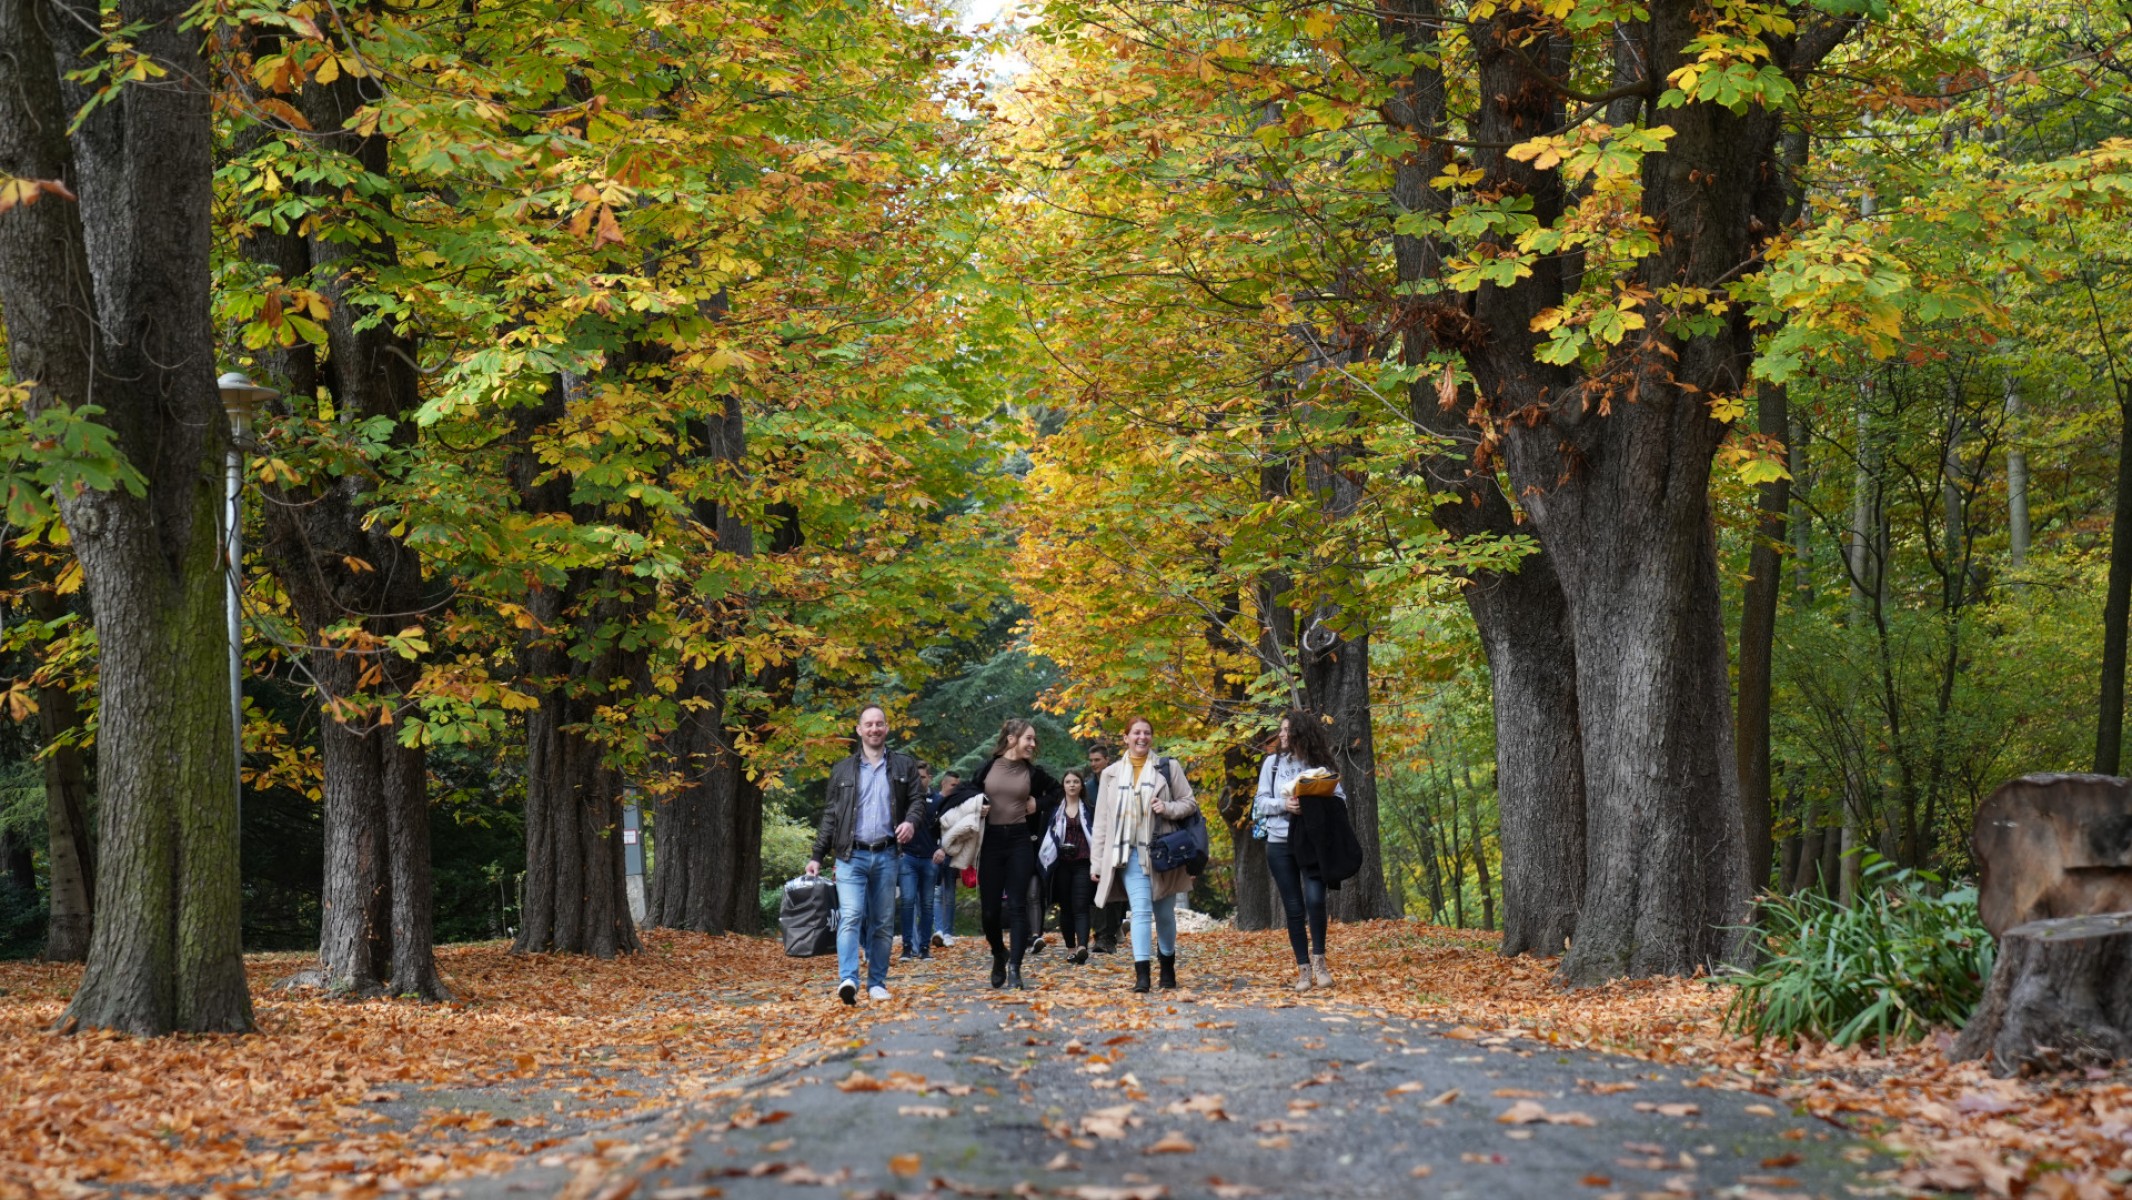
(848, 992)
(943, 939)
(877, 992)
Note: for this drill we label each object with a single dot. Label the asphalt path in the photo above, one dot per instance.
(1224, 1089)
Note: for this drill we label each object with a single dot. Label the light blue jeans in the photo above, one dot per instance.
(1148, 913)
(866, 899)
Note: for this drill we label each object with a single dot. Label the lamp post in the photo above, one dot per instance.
(241, 398)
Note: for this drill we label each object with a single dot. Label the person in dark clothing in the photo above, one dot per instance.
(1109, 918)
(1066, 844)
(1016, 790)
(874, 802)
(915, 881)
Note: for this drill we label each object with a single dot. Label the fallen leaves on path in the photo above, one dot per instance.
(380, 1095)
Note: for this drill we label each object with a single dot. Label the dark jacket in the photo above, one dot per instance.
(926, 839)
(1324, 842)
(1045, 793)
(906, 802)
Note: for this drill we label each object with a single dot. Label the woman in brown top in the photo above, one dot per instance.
(1016, 790)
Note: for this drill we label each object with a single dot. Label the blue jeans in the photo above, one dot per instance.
(914, 902)
(866, 898)
(944, 904)
(1160, 914)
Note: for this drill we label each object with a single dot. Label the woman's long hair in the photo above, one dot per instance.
(1306, 738)
(1010, 730)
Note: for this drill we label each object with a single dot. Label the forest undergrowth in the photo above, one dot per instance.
(360, 1098)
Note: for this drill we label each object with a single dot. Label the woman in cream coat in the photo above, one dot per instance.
(1135, 803)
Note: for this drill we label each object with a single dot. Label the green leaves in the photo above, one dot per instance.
(55, 453)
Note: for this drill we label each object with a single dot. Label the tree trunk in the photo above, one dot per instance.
(351, 583)
(1335, 662)
(707, 870)
(70, 856)
(1521, 615)
(1539, 774)
(1258, 905)
(576, 900)
(576, 897)
(1614, 467)
(2060, 998)
(107, 301)
(1758, 634)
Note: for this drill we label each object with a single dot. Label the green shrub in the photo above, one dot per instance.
(1908, 956)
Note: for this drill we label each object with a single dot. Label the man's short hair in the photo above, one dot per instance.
(873, 708)
(1103, 748)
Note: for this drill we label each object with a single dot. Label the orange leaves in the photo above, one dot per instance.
(26, 192)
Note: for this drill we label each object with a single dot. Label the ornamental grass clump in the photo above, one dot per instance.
(1910, 955)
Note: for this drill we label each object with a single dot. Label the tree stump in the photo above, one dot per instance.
(2053, 846)
(2060, 997)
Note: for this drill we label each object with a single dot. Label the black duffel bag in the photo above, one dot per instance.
(808, 917)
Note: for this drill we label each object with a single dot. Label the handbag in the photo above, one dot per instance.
(808, 917)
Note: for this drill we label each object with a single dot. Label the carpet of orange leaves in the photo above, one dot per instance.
(355, 1097)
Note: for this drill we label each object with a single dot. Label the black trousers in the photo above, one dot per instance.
(1004, 868)
(1075, 891)
(1302, 899)
(1110, 918)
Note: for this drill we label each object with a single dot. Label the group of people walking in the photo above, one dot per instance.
(1097, 843)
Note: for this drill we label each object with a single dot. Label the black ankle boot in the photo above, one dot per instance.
(1169, 970)
(999, 968)
(1080, 955)
(1140, 983)
(1014, 977)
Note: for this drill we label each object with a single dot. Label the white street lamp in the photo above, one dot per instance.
(241, 399)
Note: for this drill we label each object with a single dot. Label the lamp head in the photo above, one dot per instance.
(241, 398)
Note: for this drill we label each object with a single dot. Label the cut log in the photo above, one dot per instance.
(2060, 997)
(2053, 846)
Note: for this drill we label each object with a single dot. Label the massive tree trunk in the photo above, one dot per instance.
(107, 302)
(1521, 616)
(576, 897)
(353, 583)
(1614, 468)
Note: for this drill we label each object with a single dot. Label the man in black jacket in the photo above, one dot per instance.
(869, 794)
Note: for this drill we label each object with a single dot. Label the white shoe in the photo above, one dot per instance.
(877, 992)
(943, 939)
(848, 992)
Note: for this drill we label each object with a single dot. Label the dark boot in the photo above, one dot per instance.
(1140, 972)
(999, 968)
(1080, 955)
(1169, 970)
(1014, 976)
